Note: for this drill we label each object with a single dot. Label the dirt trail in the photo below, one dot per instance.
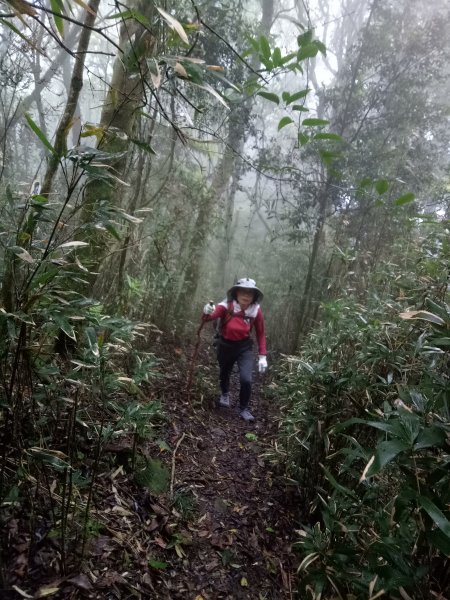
(240, 540)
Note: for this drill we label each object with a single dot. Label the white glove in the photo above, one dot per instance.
(209, 308)
(262, 363)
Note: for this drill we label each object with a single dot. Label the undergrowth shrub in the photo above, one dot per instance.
(62, 405)
(366, 434)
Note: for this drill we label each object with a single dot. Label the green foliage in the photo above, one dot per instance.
(366, 433)
(153, 475)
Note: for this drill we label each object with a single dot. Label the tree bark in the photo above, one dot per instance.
(76, 85)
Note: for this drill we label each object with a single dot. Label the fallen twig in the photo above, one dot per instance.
(172, 477)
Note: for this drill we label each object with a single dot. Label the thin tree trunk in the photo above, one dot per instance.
(125, 96)
(72, 100)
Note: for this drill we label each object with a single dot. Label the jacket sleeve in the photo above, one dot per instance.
(219, 312)
(260, 333)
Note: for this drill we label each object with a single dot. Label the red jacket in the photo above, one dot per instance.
(239, 326)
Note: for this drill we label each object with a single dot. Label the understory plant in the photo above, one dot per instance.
(366, 435)
(72, 374)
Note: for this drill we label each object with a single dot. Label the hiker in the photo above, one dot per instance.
(238, 313)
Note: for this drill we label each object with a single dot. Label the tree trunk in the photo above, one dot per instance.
(76, 85)
(125, 96)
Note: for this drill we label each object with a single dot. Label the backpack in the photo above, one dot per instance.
(221, 322)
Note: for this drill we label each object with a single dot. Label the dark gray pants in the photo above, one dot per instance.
(228, 353)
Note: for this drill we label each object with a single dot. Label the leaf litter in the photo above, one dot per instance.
(222, 531)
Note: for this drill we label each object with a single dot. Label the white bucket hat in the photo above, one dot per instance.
(247, 284)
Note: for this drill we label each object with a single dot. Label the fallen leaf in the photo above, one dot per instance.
(244, 582)
(81, 581)
(45, 591)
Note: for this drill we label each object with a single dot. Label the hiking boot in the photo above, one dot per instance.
(224, 400)
(247, 415)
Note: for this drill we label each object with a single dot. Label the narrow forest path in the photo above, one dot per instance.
(239, 535)
(218, 528)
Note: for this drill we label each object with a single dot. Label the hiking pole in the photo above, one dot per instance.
(194, 358)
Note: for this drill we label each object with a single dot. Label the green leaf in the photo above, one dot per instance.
(8, 24)
(337, 486)
(303, 139)
(328, 136)
(265, 47)
(91, 336)
(443, 341)
(297, 96)
(283, 122)
(440, 541)
(157, 564)
(327, 156)
(321, 47)
(314, 122)
(277, 60)
(300, 108)
(430, 437)
(436, 514)
(385, 452)
(112, 230)
(285, 96)
(287, 58)
(405, 199)
(270, 96)
(307, 52)
(382, 186)
(144, 145)
(305, 38)
(154, 476)
(58, 10)
(39, 134)
(65, 326)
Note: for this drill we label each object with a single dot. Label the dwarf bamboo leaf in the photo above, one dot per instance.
(74, 244)
(436, 514)
(91, 335)
(277, 60)
(423, 315)
(39, 134)
(30, 42)
(265, 47)
(65, 326)
(430, 437)
(22, 254)
(58, 10)
(173, 24)
(385, 452)
(144, 145)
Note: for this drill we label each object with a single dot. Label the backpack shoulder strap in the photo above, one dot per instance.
(230, 313)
